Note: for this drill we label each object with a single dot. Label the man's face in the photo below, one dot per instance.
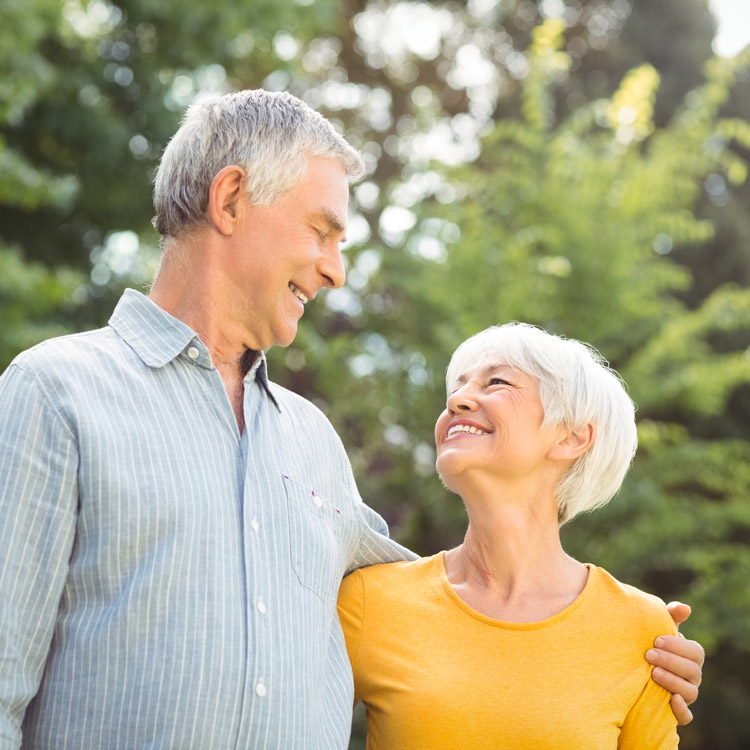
(287, 252)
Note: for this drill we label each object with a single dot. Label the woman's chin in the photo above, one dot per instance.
(449, 469)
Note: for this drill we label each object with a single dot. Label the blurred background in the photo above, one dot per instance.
(577, 164)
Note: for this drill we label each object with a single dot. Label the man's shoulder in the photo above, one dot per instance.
(58, 355)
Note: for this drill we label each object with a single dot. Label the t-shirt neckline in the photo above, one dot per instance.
(439, 564)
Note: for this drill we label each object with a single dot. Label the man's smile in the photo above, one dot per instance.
(300, 295)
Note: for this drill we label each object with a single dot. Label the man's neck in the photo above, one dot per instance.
(189, 288)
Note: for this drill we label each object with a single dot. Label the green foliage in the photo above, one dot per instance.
(571, 225)
(30, 294)
(34, 302)
(599, 189)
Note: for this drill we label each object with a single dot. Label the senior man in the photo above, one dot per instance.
(173, 526)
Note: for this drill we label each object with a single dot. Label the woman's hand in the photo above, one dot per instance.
(677, 665)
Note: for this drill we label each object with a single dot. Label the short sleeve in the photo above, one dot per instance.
(650, 724)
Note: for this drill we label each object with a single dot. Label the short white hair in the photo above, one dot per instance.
(576, 387)
(269, 134)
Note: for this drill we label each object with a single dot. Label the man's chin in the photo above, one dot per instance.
(286, 337)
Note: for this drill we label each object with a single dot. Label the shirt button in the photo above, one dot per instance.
(261, 606)
(318, 501)
(193, 352)
(260, 690)
(254, 525)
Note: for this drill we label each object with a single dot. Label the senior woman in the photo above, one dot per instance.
(506, 641)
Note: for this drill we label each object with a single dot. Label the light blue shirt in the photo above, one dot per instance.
(165, 581)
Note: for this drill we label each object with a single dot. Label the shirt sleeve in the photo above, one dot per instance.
(351, 607)
(371, 543)
(650, 724)
(375, 546)
(38, 506)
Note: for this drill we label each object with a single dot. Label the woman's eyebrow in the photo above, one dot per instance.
(486, 370)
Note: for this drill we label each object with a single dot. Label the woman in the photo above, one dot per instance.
(506, 641)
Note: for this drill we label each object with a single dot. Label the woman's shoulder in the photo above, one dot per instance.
(627, 600)
(406, 571)
(392, 580)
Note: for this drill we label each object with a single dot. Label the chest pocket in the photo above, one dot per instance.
(314, 539)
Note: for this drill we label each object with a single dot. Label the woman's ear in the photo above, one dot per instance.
(573, 443)
(224, 196)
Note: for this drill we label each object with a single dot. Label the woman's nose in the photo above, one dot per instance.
(462, 399)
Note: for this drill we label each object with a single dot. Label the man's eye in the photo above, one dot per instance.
(321, 235)
(498, 381)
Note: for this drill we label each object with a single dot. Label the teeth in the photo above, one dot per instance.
(466, 428)
(301, 297)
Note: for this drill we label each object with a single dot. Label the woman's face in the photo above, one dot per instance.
(492, 424)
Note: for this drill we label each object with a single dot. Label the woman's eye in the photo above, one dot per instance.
(498, 381)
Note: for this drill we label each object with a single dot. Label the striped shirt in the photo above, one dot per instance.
(165, 580)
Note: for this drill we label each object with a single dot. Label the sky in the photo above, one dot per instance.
(734, 26)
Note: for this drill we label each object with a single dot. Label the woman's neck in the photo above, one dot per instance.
(511, 565)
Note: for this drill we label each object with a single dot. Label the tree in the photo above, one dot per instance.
(30, 295)
(514, 171)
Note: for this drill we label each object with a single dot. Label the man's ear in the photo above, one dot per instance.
(573, 443)
(224, 197)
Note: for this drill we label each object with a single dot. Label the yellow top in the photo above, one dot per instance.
(433, 673)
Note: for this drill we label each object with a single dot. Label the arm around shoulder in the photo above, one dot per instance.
(375, 546)
(38, 505)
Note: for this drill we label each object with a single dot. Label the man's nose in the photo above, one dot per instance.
(331, 266)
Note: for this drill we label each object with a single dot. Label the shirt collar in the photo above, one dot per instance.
(151, 332)
(158, 337)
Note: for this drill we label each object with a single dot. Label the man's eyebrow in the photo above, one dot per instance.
(333, 220)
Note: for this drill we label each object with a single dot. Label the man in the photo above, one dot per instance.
(173, 526)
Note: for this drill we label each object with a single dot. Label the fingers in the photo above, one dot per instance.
(677, 668)
(675, 684)
(680, 710)
(679, 611)
(677, 665)
(680, 647)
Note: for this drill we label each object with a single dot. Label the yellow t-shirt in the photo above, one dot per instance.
(435, 674)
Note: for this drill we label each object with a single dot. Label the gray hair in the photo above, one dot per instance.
(576, 387)
(269, 134)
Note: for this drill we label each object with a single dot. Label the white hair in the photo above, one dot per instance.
(576, 387)
(269, 134)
